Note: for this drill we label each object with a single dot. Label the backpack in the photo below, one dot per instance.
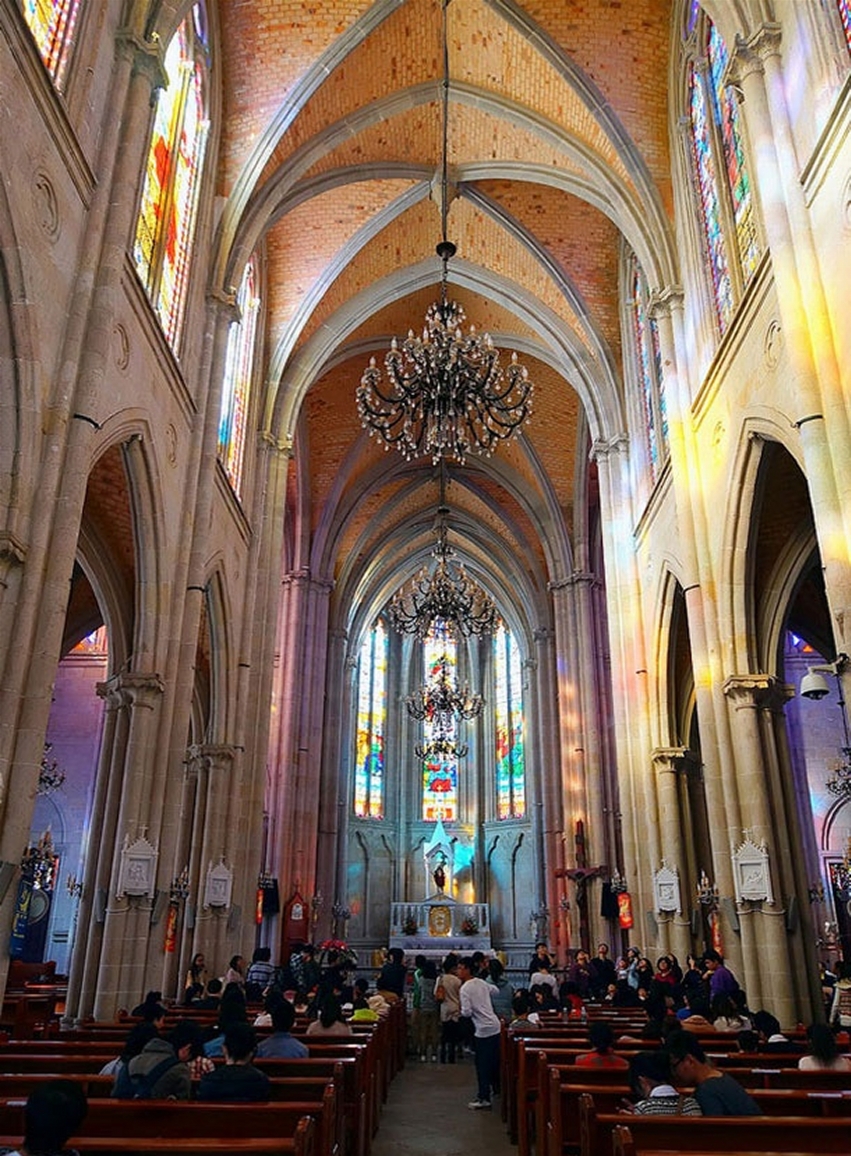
(139, 1086)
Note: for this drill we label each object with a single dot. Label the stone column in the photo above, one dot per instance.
(773, 986)
(670, 763)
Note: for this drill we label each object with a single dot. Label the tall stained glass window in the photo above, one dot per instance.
(52, 23)
(508, 717)
(440, 772)
(371, 724)
(722, 179)
(844, 7)
(165, 228)
(239, 361)
(650, 373)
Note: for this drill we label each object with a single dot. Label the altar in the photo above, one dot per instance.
(440, 923)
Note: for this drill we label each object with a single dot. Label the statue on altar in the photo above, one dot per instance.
(439, 874)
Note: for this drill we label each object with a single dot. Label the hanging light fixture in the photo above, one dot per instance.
(446, 393)
(446, 591)
(439, 699)
(814, 686)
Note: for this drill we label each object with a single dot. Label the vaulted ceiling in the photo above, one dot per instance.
(330, 159)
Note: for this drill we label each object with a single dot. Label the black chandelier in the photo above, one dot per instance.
(439, 701)
(446, 393)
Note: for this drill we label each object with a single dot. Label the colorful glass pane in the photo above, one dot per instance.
(239, 361)
(371, 724)
(845, 16)
(692, 14)
(508, 722)
(166, 222)
(726, 113)
(642, 349)
(52, 23)
(440, 775)
(707, 183)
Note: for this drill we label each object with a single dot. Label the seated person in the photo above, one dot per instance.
(717, 1092)
(824, 1054)
(330, 1022)
(210, 1001)
(151, 1007)
(282, 1043)
(237, 1080)
(522, 1014)
(139, 1035)
(54, 1112)
(650, 1080)
(770, 1036)
(602, 1039)
(161, 1070)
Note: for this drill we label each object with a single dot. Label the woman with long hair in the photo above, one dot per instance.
(823, 1054)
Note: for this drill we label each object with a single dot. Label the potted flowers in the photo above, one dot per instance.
(469, 925)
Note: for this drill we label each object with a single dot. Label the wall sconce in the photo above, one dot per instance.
(816, 892)
(179, 887)
(707, 892)
(315, 907)
(617, 883)
(74, 887)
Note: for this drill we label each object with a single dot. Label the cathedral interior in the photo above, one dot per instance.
(220, 527)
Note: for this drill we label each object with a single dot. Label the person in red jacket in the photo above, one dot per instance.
(601, 1038)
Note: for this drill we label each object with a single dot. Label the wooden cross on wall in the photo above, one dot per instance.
(581, 875)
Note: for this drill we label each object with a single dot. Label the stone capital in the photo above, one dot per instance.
(146, 56)
(665, 301)
(674, 760)
(751, 691)
(749, 55)
(607, 447)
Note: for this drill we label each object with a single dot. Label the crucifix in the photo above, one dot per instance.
(581, 875)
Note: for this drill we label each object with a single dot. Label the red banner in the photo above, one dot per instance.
(171, 929)
(625, 910)
(258, 912)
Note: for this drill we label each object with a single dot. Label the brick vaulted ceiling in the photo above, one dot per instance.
(328, 167)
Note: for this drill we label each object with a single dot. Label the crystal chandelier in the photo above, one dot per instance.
(446, 393)
(50, 776)
(440, 701)
(446, 591)
(441, 747)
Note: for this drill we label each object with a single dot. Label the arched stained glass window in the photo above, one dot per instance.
(508, 717)
(844, 7)
(239, 361)
(52, 23)
(166, 224)
(723, 184)
(650, 372)
(440, 772)
(371, 724)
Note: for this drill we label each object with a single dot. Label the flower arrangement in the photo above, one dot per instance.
(344, 953)
(469, 926)
(409, 925)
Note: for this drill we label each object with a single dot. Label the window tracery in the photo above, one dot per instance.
(371, 724)
(53, 23)
(165, 226)
(236, 390)
(648, 356)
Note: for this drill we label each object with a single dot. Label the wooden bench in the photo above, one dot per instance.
(732, 1134)
(561, 1132)
(167, 1120)
(300, 1143)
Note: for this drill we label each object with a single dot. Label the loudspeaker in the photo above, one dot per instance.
(792, 914)
(189, 916)
(100, 905)
(271, 899)
(729, 908)
(695, 922)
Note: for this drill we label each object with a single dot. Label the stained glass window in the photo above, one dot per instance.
(236, 389)
(440, 773)
(728, 212)
(371, 724)
(166, 223)
(508, 718)
(654, 408)
(52, 23)
(845, 16)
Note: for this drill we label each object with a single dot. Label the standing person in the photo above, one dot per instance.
(53, 1113)
(579, 973)
(720, 979)
(541, 955)
(717, 1092)
(447, 992)
(260, 974)
(501, 991)
(427, 1026)
(476, 1005)
(602, 971)
(840, 1005)
(393, 976)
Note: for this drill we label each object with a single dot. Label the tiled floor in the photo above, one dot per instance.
(426, 1114)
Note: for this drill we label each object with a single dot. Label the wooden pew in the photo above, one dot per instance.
(165, 1120)
(300, 1143)
(561, 1132)
(685, 1135)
